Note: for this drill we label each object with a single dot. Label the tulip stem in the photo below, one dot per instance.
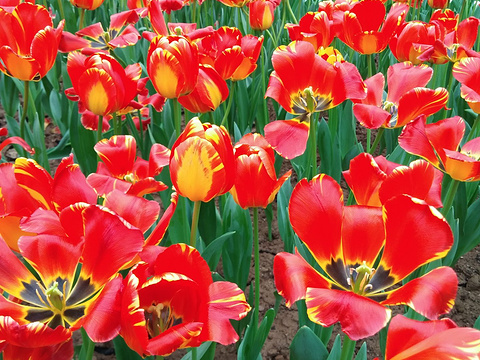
(450, 196)
(229, 105)
(348, 348)
(177, 117)
(377, 140)
(99, 128)
(60, 8)
(474, 128)
(289, 8)
(194, 8)
(257, 265)
(90, 345)
(311, 172)
(196, 215)
(26, 95)
(117, 124)
(82, 17)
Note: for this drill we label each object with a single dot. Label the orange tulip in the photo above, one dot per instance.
(201, 161)
(28, 42)
(261, 13)
(256, 183)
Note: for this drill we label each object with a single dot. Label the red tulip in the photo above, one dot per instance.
(374, 181)
(439, 144)
(256, 183)
(315, 27)
(122, 170)
(172, 303)
(347, 242)
(303, 82)
(436, 339)
(28, 42)
(467, 72)
(261, 13)
(361, 25)
(407, 97)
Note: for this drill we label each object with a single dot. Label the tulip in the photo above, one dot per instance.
(87, 4)
(172, 65)
(100, 84)
(261, 14)
(201, 161)
(256, 183)
(28, 42)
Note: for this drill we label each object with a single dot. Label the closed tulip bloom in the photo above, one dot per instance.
(235, 3)
(201, 161)
(438, 4)
(467, 73)
(100, 83)
(172, 65)
(261, 14)
(87, 4)
(28, 42)
(256, 182)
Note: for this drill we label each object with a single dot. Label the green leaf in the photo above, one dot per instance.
(204, 352)
(336, 351)
(477, 324)
(213, 251)
(362, 353)
(255, 337)
(207, 224)
(307, 346)
(122, 351)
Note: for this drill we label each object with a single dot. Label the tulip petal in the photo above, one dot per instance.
(403, 77)
(293, 275)
(118, 154)
(288, 137)
(431, 295)
(416, 234)
(359, 317)
(322, 200)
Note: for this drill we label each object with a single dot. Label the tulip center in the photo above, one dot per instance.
(55, 296)
(307, 101)
(159, 318)
(360, 278)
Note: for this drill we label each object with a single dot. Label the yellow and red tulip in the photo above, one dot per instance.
(211, 90)
(28, 41)
(122, 170)
(233, 55)
(365, 28)
(172, 65)
(439, 144)
(436, 339)
(235, 3)
(87, 4)
(26, 186)
(256, 183)
(94, 38)
(347, 242)
(467, 72)
(407, 97)
(156, 319)
(373, 181)
(100, 84)
(201, 162)
(261, 13)
(303, 82)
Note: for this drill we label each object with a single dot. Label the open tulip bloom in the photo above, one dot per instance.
(347, 242)
(436, 339)
(303, 83)
(375, 180)
(407, 97)
(171, 302)
(439, 144)
(90, 244)
(467, 72)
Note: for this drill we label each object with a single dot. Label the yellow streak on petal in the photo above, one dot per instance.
(97, 99)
